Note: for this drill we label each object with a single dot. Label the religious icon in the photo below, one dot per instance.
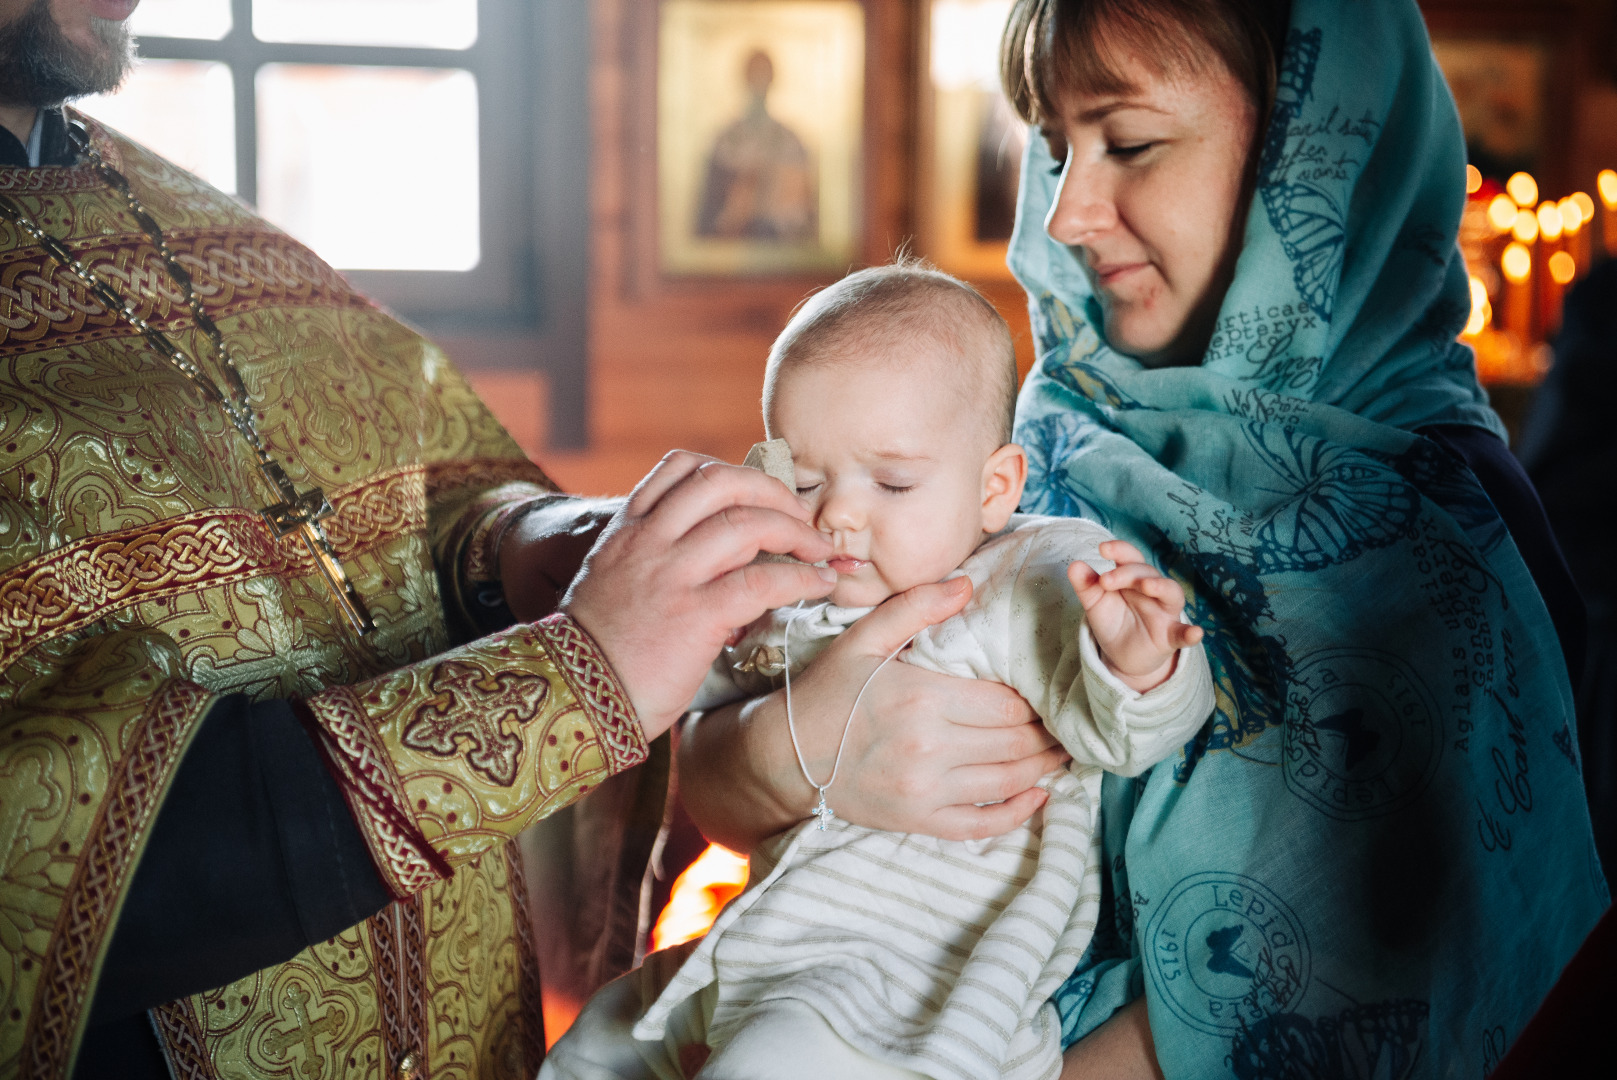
(1499, 89)
(760, 110)
(760, 181)
(972, 142)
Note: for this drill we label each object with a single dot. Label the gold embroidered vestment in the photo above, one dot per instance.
(138, 584)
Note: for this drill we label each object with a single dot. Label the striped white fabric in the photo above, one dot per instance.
(939, 956)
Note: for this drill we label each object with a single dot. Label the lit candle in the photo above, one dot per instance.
(1575, 238)
(1606, 184)
(1502, 213)
(1516, 315)
(1551, 225)
(1523, 188)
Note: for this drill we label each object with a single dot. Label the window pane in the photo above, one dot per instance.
(977, 141)
(373, 167)
(208, 19)
(183, 109)
(432, 24)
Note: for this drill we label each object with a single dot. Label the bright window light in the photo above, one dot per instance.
(375, 168)
(207, 20)
(183, 109)
(431, 24)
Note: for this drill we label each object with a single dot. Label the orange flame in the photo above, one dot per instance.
(698, 895)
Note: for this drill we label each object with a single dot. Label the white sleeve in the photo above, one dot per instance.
(1025, 628)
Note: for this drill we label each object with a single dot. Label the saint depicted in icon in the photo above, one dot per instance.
(759, 184)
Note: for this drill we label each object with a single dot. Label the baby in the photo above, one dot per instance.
(860, 953)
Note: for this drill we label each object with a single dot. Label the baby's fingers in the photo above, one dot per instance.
(1120, 551)
(1165, 591)
(1184, 635)
(1085, 583)
(1133, 575)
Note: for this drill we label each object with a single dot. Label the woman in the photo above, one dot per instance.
(1246, 289)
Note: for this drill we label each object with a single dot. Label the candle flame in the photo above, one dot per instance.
(1549, 220)
(1563, 268)
(1481, 310)
(1502, 213)
(1607, 183)
(1572, 218)
(1526, 228)
(716, 877)
(1517, 263)
(1522, 188)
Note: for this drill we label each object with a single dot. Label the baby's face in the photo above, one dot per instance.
(892, 460)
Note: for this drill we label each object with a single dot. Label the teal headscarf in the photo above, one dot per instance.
(1376, 857)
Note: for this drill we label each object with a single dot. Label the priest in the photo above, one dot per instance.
(282, 669)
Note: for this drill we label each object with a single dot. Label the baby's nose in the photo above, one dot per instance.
(839, 514)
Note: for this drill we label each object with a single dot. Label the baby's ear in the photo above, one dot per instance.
(1004, 473)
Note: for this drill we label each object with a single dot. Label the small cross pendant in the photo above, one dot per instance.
(823, 812)
(302, 512)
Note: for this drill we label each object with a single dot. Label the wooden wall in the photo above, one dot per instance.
(678, 363)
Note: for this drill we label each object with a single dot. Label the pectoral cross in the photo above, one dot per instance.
(301, 513)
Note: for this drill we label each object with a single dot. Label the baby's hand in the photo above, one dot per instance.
(1133, 612)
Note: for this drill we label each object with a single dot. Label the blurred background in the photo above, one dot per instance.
(605, 210)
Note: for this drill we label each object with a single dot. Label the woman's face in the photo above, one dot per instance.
(1153, 187)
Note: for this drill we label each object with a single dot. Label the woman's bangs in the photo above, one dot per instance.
(1055, 50)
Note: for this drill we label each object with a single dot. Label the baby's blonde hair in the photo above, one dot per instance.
(905, 300)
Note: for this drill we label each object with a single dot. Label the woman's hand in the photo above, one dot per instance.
(1120, 1049)
(923, 750)
(672, 574)
(1133, 611)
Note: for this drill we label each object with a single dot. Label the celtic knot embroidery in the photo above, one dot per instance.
(477, 713)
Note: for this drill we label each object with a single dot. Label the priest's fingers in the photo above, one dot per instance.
(713, 487)
(1121, 551)
(734, 536)
(968, 822)
(675, 466)
(743, 594)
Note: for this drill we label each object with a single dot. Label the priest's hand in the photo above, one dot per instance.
(672, 575)
(927, 753)
(542, 553)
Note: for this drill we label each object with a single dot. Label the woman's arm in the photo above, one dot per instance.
(924, 750)
(1120, 1049)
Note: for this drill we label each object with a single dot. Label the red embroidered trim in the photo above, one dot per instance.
(399, 944)
(479, 473)
(376, 510)
(597, 689)
(83, 581)
(530, 1002)
(359, 761)
(134, 791)
(413, 942)
(233, 267)
(184, 1045)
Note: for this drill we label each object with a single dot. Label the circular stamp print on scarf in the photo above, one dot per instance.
(1225, 952)
(1362, 737)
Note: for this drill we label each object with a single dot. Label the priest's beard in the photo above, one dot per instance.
(39, 66)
